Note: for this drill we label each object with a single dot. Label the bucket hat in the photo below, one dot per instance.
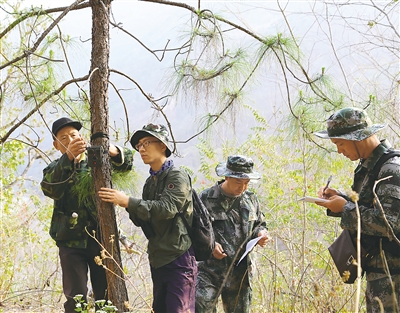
(350, 124)
(62, 122)
(237, 166)
(156, 130)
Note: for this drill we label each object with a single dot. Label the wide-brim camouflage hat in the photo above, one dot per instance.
(237, 166)
(350, 124)
(156, 130)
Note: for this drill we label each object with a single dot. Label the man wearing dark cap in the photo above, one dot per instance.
(167, 190)
(351, 130)
(74, 210)
(237, 219)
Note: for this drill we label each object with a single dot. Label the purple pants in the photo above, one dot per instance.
(174, 285)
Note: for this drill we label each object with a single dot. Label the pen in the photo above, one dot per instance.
(327, 184)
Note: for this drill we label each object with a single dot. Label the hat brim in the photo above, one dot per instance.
(139, 134)
(75, 124)
(357, 135)
(222, 170)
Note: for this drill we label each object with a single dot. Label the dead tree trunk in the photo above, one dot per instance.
(117, 291)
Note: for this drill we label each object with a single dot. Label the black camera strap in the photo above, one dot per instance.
(99, 135)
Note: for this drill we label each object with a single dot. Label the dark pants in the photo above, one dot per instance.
(174, 285)
(74, 264)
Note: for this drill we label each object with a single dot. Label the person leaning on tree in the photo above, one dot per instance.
(236, 219)
(166, 191)
(351, 130)
(72, 214)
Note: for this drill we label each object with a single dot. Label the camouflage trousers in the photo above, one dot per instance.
(236, 293)
(382, 289)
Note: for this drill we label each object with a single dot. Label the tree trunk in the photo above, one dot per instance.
(117, 292)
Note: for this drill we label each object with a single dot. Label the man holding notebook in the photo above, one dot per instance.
(351, 130)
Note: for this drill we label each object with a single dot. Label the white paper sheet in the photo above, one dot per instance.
(312, 199)
(250, 245)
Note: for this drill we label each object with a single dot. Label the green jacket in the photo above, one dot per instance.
(163, 196)
(58, 181)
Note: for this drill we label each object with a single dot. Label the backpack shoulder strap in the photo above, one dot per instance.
(386, 156)
(391, 246)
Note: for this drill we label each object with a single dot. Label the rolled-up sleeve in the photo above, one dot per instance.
(123, 161)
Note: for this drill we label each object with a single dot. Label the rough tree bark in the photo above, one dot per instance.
(117, 291)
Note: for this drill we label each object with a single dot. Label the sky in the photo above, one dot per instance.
(155, 24)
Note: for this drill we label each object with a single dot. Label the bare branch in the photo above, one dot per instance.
(39, 105)
(206, 13)
(124, 105)
(391, 234)
(21, 176)
(142, 44)
(39, 12)
(42, 37)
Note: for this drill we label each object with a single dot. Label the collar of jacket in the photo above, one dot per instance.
(162, 174)
(369, 163)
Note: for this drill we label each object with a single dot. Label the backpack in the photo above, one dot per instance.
(372, 242)
(201, 233)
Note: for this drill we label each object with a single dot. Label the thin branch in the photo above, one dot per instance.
(40, 104)
(230, 268)
(147, 96)
(232, 98)
(104, 254)
(42, 37)
(192, 9)
(151, 100)
(21, 177)
(69, 65)
(393, 27)
(358, 258)
(38, 13)
(391, 233)
(124, 105)
(142, 44)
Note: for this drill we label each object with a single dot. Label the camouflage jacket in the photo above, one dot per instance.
(163, 196)
(234, 225)
(373, 225)
(58, 180)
